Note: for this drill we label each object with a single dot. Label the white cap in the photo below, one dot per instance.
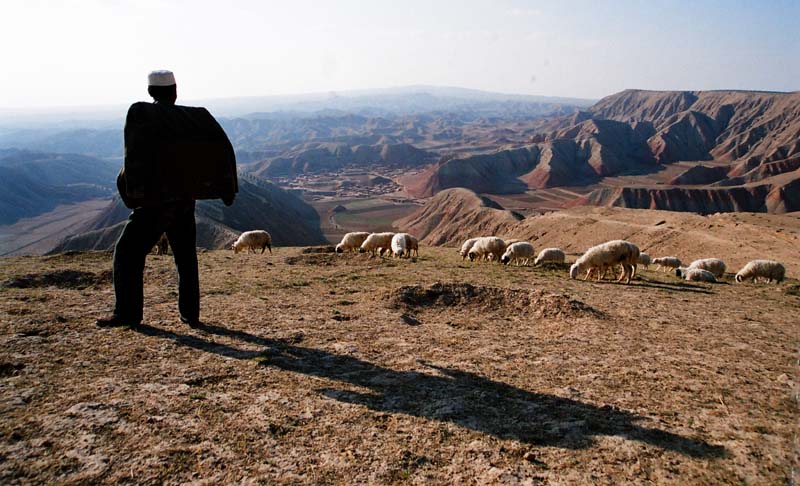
(161, 78)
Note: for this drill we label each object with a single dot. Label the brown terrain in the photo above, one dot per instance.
(455, 215)
(751, 139)
(318, 368)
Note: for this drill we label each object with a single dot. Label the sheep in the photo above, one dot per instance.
(401, 243)
(644, 260)
(162, 246)
(695, 274)
(466, 247)
(666, 263)
(521, 251)
(252, 240)
(550, 255)
(767, 269)
(413, 245)
(616, 252)
(487, 247)
(351, 241)
(377, 242)
(713, 265)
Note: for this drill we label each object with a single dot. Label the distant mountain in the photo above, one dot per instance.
(259, 205)
(754, 138)
(334, 156)
(407, 100)
(32, 183)
(577, 155)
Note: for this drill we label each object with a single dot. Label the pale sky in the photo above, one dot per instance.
(98, 52)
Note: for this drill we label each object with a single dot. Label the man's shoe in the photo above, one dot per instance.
(192, 322)
(117, 321)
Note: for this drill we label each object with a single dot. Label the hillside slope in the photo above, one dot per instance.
(453, 214)
(735, 237)
(33, 183)
(259, 205)
(318, 368)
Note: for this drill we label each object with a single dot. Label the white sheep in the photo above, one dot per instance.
(644, 260)
(666, 263)
(766, 269)
(713, 265)
(695, 274)
(466, 247)
(521, 251)
(377, 242)
(252, 240)
(401, 243)
(550, 255)
(609, 254)
(351, 241)
(489, 247)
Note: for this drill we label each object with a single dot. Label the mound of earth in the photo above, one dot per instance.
(495, 299)
(454, 214)
(68, 279)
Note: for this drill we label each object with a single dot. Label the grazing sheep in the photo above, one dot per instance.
(413, 245)
(644, 260)
(766, 269)
(666, 263)
(162, 246)
(466, 247)
(487, 247)
(252, 240)
(616, 252)
(695, 274)
(351, 241)
(521, 251)
(377, 242)
(550, 255)
(713, 265)
(401, 243)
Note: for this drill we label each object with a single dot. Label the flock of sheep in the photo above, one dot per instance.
(596, 262)
(599, 259)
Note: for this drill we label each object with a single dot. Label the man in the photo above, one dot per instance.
(159, 189)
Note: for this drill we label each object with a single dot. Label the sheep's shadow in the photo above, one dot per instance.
(450, 395)
(639, 281)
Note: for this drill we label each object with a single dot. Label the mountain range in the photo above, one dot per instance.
(752, 138)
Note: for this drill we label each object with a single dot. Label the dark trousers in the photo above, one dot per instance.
(142, 231)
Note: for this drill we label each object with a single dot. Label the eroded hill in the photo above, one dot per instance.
(752, 137)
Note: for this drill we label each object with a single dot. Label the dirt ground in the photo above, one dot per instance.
(317, 368)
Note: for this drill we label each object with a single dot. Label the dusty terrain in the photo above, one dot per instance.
(316, 368)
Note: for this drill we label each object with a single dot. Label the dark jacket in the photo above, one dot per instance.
(175, 153)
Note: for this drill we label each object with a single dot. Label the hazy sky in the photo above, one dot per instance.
(98, 52)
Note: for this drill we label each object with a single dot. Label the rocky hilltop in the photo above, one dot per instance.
(455, 215)
(753, 139)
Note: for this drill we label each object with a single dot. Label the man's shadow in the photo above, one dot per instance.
(450, 395)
